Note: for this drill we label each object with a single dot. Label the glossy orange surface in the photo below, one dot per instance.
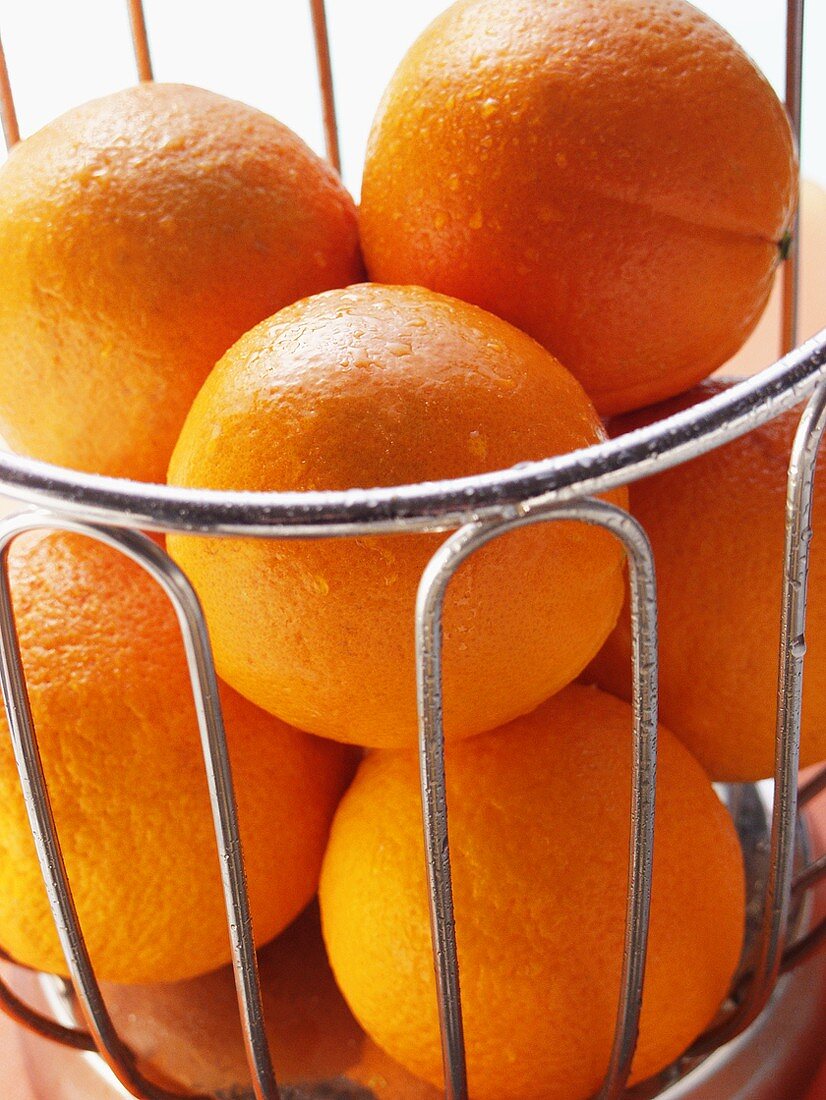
(612, 176)
(380, 385)
(140, 235)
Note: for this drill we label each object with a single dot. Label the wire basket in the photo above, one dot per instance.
(477, 510)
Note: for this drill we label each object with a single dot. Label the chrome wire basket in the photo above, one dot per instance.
(476, 510)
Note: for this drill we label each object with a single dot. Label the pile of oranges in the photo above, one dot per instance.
(569, 209)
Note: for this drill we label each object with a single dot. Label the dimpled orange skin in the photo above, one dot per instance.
(110, 697)
(539, 830)
(141, 235)
(612, 176)
(371, 386)
(716, 526)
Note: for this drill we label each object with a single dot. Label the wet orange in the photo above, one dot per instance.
(379, 385)
(110, 696)
(716, 526)
(615, 177)
(539, 830)
(141, 235)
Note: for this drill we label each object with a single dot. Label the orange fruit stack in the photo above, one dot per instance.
(180, 276)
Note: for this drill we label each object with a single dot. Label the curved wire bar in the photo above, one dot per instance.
(23, 1014)
(325, 82)
(216, 758)
(429, 506)
(140, 40)
(429, 609)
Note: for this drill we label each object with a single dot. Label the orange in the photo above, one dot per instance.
(716, 525)
(763, 346)
(189, 1031)
(381, 385)
(613, 176)
(117, 731)
(141, 235)
(539, 830)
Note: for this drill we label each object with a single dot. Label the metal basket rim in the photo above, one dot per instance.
(427, 505)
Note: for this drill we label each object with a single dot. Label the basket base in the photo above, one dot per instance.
(778, 1056)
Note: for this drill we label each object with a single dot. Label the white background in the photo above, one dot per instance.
(62, 52)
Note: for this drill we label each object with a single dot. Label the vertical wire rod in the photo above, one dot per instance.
(799, 505)
(140, 40)
(794, 99)
(225, 819)
(429, 610)
(8, 112)
(643, 592)
(325, 82)
(216, 757)
(41, 819)
(769, 952)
